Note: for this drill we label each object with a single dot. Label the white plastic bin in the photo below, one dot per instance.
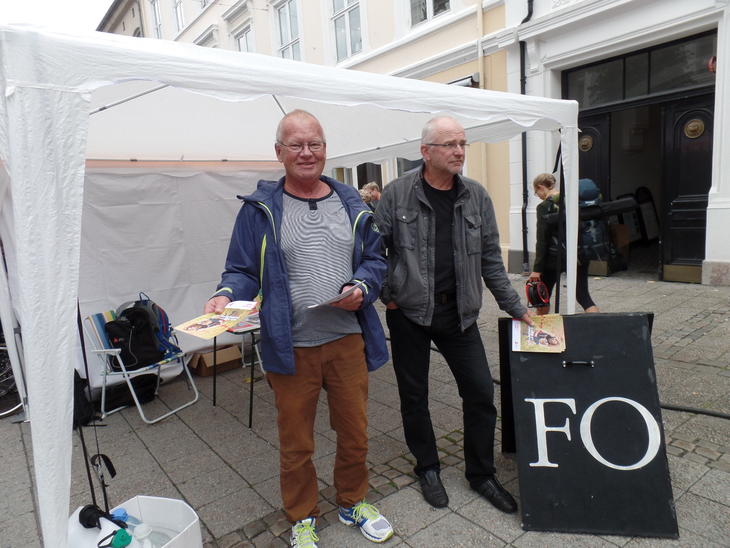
(171, 517)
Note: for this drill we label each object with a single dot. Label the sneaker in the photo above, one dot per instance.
(303, 534)
(371, 523)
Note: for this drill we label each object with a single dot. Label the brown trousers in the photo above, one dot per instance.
(339, 367)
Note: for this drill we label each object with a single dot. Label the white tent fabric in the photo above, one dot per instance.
(214, 105)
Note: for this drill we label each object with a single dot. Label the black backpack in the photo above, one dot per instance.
(134, 334)
(160, 321)
(593, 239)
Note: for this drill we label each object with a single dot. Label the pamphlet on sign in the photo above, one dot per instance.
(547, 335)
(338, 297)
(208, 326)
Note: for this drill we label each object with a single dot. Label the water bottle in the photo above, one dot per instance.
(142, 533)
(122, 515)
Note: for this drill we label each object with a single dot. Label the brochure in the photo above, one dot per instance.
(336, 297)
(208, 326)
(547, 335)
(249, 323)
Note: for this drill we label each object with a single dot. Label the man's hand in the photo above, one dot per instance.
(216, 304)
(352, 302)
(391, 306)
(527, 317)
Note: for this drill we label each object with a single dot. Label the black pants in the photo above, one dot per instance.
(549, 277)
(464, 353)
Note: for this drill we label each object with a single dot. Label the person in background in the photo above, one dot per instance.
(547, 245)
(299, 242)
(374, 190)
(441, 237)
(365, 196)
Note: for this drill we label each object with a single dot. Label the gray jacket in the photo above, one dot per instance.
(408, 227)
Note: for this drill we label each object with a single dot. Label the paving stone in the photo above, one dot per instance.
(696, 458)
(254, 528)
(229, 540)
(672, 450)
(709, 453)
(684, 445)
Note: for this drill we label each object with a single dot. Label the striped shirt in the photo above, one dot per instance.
(317, 242)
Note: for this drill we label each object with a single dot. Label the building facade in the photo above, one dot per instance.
(648, 75)
(651, 79)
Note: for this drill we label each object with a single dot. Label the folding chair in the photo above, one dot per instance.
(108, 354)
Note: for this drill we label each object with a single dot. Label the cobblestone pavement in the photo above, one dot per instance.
(228, 473)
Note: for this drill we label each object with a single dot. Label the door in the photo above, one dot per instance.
(594, 145)
(687, 178)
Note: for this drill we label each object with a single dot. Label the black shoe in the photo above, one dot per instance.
(432, 489)
(497, 495)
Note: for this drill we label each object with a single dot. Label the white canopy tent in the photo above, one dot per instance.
(190, 104)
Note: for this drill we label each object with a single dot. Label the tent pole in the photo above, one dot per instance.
(279, 104)
(130, 98)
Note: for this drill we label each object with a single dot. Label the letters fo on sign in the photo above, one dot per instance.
(542, 429)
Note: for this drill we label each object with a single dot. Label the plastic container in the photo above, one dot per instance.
(172, 523)
(164, 523)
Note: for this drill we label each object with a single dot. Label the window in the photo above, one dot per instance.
(422, 10)
(156, 18)
(667, 68)
(348, 35)
(244, 39)
(287, 20)
(179, 16)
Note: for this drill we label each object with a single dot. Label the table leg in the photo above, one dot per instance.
(250, 394)
(215, 368)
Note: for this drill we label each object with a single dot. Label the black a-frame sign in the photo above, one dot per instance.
(587, 428)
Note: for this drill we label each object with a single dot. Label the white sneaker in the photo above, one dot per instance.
(372, 524)
(303, 534)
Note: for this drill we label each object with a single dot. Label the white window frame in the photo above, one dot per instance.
(293, 41)
(156, 18)
(429, 11)
(245, 30)
(177, 7)
(345, 13)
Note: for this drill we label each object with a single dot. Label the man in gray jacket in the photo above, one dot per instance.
(441, 236)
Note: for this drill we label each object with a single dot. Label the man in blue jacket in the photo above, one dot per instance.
(297, 243)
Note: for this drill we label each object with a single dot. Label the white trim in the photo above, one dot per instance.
(489, 4)
(578, 14)
(438, 63)
(210, 34)
(235, 10)
(665, 31)
(417, 33)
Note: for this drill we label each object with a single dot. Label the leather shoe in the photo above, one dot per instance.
(497, 495)
(432, 489)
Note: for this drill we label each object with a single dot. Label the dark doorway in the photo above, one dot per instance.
(646, 131)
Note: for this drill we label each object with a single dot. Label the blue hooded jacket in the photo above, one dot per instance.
(256, 264)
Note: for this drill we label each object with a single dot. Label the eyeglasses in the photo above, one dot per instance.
(298, 147)
(449, 146)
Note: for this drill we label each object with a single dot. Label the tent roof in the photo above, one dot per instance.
(185, 119)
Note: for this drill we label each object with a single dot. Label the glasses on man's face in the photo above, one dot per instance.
(316, 146)
(450, 146)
